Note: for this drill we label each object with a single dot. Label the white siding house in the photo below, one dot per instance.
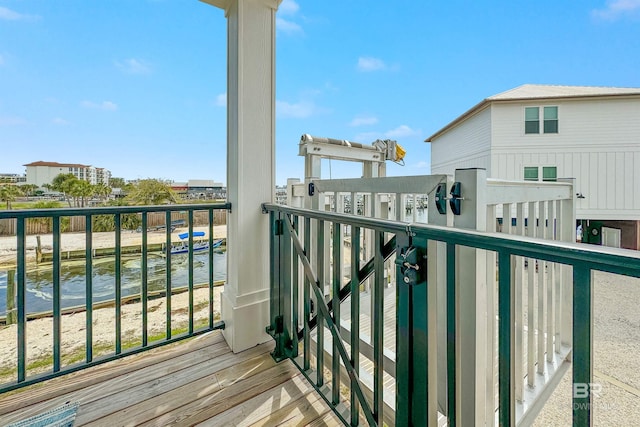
(541, 132)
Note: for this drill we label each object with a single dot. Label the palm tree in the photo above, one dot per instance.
(28, 189)
(102, 191)
(152, 192)
(8, 193)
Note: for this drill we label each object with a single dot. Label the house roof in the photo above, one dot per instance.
(539, 92)
(56, 164)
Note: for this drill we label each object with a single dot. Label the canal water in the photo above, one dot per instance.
(73, 283)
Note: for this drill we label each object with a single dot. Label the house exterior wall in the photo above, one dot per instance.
(598, 143)
(465, 146)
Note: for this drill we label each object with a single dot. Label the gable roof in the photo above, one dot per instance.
(539, 92)
(56, 164)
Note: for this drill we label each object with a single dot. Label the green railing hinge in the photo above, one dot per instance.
(278, 227)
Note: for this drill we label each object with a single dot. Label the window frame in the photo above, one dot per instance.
(531, 168)
(543, 125)
(555, 173)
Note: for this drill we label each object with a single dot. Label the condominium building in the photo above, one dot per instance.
(41, 173)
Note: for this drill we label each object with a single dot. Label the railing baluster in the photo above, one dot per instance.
(307, 298)
(320, 324)
(89, 288)
(118, 282)
(190, 257)
(377, 297)
(551, 284)
(355, 319)
(506, 328)
(295, 286)
(452, 380)
(337, 275)
(558, 286)
(21, 295)
(56, 294)
(542, 291)
(168, 278)
(531, 298)
(144, 291)
(211, 269)
(582, 345)
(519, 309)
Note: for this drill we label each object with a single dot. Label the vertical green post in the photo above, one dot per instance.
(88, 292)
(412, 369)
(21, 300)
(582, 345)
(191, 263)
(451, 335)
(337, 276)
(118, 272)
(378, 330)
(306, 295)
(144, 287)
(506, 308)
(11, 297)
(211, 272)
(320, 316)
(167, 260)
(56, 294)
(355, 319)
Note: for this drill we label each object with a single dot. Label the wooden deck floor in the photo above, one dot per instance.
(199, 382)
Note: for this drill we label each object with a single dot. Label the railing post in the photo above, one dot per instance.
(567, 234)
(412, 345)
(278, 327)
(471, 339)
(11, 297)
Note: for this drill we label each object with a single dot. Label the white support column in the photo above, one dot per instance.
(250, 166)
(471, 290)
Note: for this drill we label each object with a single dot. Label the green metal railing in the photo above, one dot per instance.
(293, 245)
(55, 216)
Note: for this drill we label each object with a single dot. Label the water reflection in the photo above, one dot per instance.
(73, 283)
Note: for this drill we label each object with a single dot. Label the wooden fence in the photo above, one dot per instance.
(77, 223)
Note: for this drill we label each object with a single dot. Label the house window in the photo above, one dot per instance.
(531, 120)
(530, 173)
(549, 173)
(549, 120)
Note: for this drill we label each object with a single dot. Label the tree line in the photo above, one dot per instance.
(78, 192)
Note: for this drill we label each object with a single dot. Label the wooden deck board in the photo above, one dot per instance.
(199, 382)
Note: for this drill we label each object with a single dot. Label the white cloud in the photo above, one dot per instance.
(368, 63)
(133, 66)
(12, 121)
(402, 131)
(615, 9)
(10, 15)
(59, 121)
(288, 7)
(221, 100)
(363, 121)
(104, 105)
(287, 27)
(299, 110)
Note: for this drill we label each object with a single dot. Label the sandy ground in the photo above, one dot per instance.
(74, 241)
(73, 335)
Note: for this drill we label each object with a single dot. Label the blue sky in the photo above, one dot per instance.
(138, 86)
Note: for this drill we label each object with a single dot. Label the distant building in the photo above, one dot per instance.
(13, 178)
(205, 189)
(41, 173)
(542, 133)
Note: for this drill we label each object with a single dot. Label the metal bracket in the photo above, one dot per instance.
(456, 197)
(412, 262)
(441, 199)
(312, 189)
